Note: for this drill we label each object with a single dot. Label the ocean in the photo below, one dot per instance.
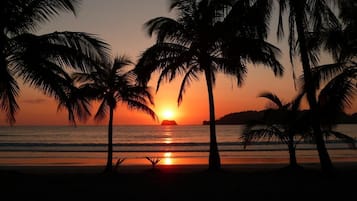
(87, 145)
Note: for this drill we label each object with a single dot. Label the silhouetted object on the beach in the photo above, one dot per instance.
(305, 20)
(168, 123)
(208, 37)
(283, 123)
(42, 61)
(118, 163)
(111, 84)
(290, 126)
(153, 161)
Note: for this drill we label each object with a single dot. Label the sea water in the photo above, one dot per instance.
(83, 145)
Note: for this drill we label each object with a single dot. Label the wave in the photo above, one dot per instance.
(161, 147)
(16, 144)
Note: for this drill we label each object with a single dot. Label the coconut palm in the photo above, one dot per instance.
(305, 17)
(337, 81)
(290, 125)
(284, 122)
(113, 84)
(208, 36)
(41, 61)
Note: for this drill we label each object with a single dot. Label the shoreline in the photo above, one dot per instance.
(182, 168)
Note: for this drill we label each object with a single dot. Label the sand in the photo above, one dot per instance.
(180, 182)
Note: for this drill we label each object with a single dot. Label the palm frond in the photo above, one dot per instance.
(232, 65)
(102, 111)
(246, 17)
(164, 56)
(76, 104)
(273, 98)
(44, 75)
(322, 15)
(347, 139)
(325, 72)
(337, 95)
(190, 76)
(119, 63)
(256, 51)
(137, 93)
(27, 16)
(141, 107)
(166, 29)
(87, 49)
(9, 90)
(68, 49)
(282, 9)
(251, 134)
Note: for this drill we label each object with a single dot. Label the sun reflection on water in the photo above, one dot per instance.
(167, 158)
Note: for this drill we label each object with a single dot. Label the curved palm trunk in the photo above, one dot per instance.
(324, 157)
(109, 166)
(214, 162)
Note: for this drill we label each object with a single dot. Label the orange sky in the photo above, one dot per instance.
(120, 23)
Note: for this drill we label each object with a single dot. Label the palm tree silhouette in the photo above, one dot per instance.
(285, 123)
(307, 17)
(41, 61)
(208, 36)
(112, 84)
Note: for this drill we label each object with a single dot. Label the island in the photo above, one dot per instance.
(245, 117)
(168, 123)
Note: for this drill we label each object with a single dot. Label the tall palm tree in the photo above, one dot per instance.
(209, 36)
(306, 17)
(41, 61)
(112, 84)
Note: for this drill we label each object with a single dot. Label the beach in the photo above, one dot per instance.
(178, 182)
(62, 163)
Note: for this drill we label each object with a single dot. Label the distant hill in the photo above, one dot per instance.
(249, 116)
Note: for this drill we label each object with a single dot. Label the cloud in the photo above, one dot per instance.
(35, 101)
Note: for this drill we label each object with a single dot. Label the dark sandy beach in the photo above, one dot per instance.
(236, 182)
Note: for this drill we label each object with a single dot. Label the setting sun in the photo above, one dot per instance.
(168, 114)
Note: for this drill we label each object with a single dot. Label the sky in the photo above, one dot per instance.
(120, 23)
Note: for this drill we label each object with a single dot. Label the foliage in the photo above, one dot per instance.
(207, 37)
(42, 61)
(112, 83)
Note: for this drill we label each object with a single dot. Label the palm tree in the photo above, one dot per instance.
(41, 61)
(208, 36)
(285, 123)
(307, 17)
(112, 84)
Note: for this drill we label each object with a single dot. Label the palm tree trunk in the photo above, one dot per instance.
(109, 166)
(214, 162)
(292, 154)
(324, 157)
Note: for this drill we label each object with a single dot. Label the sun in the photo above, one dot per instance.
(168, 114)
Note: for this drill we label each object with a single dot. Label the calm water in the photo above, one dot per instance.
(31, 145)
